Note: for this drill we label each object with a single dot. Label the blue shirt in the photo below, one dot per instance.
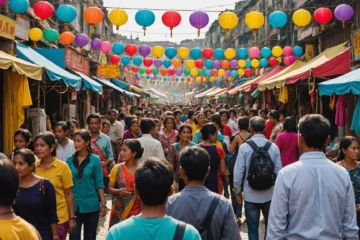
(242, 164)
(149, 229)
(184, 118)
(85, 190)
(104, 143)
(313, 199)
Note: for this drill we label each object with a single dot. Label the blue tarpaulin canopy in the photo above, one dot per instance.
(113, 86)
(342, 85)
(91, 84)
(120, 84)
(54, 72)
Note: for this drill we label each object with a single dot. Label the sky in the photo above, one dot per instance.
(158, 31)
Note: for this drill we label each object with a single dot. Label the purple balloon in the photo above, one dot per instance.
(154, 78)
(81, 40)
(344, 12)
(2, 2)
(144, 50)
(228, 73)
(179, 71)
(199, 19)
(226, 77)
(157, 63)
(216, 64)
(233, 64)
(95, 43)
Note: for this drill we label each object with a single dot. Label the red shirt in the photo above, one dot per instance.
(227, 131)
(268, 129)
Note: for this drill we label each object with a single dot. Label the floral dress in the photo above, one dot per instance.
(355, 179)
(123, 207)
(166, 142)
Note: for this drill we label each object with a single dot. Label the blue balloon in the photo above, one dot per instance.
(248, 63)
(167, 63)
(118, 48)
(219, 53)
(66, 13)
(137, 61)
(125, 60)
(234, 74)
(242, 53)
(195, 53)
(207, 72)
(171, 52)
(208, 64)
(265, 52)
(18, 6)
(182, 79)
(147, 77)
(298, 51)
(278, 19)
(145, 18)
(264, 62)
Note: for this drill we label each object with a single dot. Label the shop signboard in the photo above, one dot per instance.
(7, 27)
(22, 28)
(108, 71)
(356, 43)
(76, 62)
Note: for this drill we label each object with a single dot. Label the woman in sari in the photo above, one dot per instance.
(168, 136)
(122, 183)
(133, 130)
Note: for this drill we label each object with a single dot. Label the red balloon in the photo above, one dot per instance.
(171, 71)
(163, 71)
(147, 62)
(114, 59)
(208, 53)
(273, 61)
(135, 69)
(323, 15)
(199, 63)
(130, 49)
(171, 19)
(148, 71)
(214, 72)
(248, 72)
(225, 64)
(43, 10)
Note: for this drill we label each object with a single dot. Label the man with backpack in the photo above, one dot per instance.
(210, 213)
(256, 165)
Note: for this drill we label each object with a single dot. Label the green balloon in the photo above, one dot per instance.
(186, 72)
(200, 72)
(51, 35)
(141, 71)
(155, 71)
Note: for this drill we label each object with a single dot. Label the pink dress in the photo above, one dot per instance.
(166, 142)
(287, 144)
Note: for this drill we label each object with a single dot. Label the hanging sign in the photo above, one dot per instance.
(108, 71)
(7, 27)
(76, 62)
(356, 43)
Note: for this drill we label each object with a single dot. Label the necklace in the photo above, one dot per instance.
(6, 213)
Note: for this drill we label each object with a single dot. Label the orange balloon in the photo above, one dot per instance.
(67, 38)
(225, 64)
(176, 62)
(163, 71)
(93, 15)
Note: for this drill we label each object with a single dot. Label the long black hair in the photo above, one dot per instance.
(216, 119)
(85, 135)
(345, 143)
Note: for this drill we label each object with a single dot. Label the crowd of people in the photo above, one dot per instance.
(181, 172)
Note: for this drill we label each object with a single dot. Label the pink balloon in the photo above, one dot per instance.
(288, 51)
(105, 47)
(254, 52)
(288, 60)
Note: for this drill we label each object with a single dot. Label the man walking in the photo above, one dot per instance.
(65, 145)
(116, 132)
(314, 197)
(151, 146)
(256, 155)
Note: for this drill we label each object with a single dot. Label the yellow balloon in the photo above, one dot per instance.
(183, 52)
(118, 17)
(255, 63)
(35, 34)
(254, 20)
(241, 72)
(277, 51)
(301, 17)
(190, 64)
(228, 20)
(242, 63)
(212, 79)
(221, 72)
(230, 53)
(158, 51)
(148, 81)
(198, 79)
(230, 79)
(194, 72)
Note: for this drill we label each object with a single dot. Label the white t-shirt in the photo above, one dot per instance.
(68, 150)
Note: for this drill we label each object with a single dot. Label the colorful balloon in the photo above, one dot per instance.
(131, 49)
(255, 63)
(134, 69)
(51, 35)
(288, 60)
(66, 13)
(171, 19)
(264, 62)
(67, 38)
(234, 74)
(230, 53)
(190, 63)
(195, 53)
(242, 53)
(265, 52)
(208, 53)
(219, 53)
(18, 6)
(141, 70)
(179, 71)
(254, 52)
(137, 61)
(118, 17)
(145, 18)
(254, 20)
(95, 44)
(167, 63)
(323, 15)
(170, 52)
(288, 51)
(171, 71)
(199, 20)
(277, 51)
(118, 48)
(228, 21)
(199, 63)
(163, 71)
(147, 62)
(125, 60)
(298, 51)
(144, 50)
(214, 72)
(221, 72)
(43, 10)
(248, 63)
(176, 62)
(242, 63)
(155, 71)
(343, 12)
(114, 59)
(217, 64)
(241, 72)
(183, 52)
(158, 63)
(158, 51)
(225, 64)
(148, 71)
(194, 72)
(93, 16)
(273, 61)
(105, 47)
(233, 64)
(35, 34)
(81, 40)
(301, 17)
(248, 72)
(278, 19)
(186, 72)
(209, 64)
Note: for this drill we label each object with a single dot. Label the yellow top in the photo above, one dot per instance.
(194, 128)
(60, 176)
(17, 229)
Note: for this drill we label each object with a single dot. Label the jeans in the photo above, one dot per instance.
(90, 221)
(252, 213)
(225, 187)
(236, 206)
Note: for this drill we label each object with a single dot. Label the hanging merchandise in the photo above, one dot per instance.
(208, 53)
(219, 53)
(199, 63)
(190, 63)
(242, 53)
(18, 6)
(105, 47)
(176, 62)
(43, 10)
(228, 21)
(183, 52)
(118, 17)
(170, 52)
(254, 20)
(288, 51)
(147, 62)
(301, 18)
(51, 35)
(277, 51)
(298, 51)
(95, 44)
(145, 18)
(114, 59)
(131, 49)
(171, 19)
(255, 93)
(355, 123)
(67, 38)
(340, 114)
(93, 16)
(144, 50)
(199, 20)
(343, 13)
(125, 60)
(254, 52)
(230, 53)
(323, 15)
(35, 35)
(278, 19)
(209, 64)
(167, 63)
(137, 61)
(66, 14)
(195, 53)
(158, 63)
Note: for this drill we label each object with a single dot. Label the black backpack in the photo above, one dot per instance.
(261, 170)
